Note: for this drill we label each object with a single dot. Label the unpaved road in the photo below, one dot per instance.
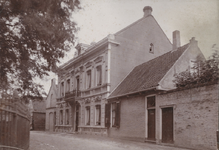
(63, 141)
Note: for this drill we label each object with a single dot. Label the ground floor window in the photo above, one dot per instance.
(61, 117)
(67, 116)
(112, 114)
(98, 114)
(87, 115)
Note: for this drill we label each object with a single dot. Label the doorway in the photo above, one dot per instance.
(51, 122)
(167, 125)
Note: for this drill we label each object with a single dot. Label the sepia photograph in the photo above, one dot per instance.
(109, 74)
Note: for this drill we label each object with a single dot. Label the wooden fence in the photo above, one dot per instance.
(14, 124)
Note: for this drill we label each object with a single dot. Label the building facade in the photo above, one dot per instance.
(146, 105)
(86, 81)
(51, 106)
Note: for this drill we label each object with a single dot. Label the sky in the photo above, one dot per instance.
(193, 18)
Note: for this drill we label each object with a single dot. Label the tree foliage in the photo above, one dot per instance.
(203, 72)
(34, 34)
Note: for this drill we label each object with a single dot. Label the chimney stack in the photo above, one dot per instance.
(147, 11)
(53, 81)
(176, 39)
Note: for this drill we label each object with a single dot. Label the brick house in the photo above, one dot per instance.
(85, 82)
(145, 106)
(51, 106)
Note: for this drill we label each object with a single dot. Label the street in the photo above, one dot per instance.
(40, 140)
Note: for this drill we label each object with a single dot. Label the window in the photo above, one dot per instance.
(77, 83)
(88, 81)
(151, 102)
(68, 85)
(99, 75)
(151, 49)
(98, 114)
(115, 114)
(87, 117)
(62, 89)
(61, 117)
(67, 116)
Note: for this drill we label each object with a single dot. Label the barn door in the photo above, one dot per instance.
(167, 125)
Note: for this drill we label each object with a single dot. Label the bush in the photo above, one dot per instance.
(202, 72)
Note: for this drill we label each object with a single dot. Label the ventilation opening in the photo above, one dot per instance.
(151, 49)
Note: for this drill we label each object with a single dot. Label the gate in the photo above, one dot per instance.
(14, 124)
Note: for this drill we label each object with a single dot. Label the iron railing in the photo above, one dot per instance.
(14, 124)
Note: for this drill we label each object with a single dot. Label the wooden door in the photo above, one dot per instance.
(151, 124)
(51, 122)
(167, 125)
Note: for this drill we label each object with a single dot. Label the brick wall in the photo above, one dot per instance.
(195, 116)
(132, 122)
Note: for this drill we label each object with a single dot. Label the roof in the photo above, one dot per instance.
(148, 74)
(39, 106)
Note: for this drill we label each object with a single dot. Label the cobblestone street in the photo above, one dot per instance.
(63, 141)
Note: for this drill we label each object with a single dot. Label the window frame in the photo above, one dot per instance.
(99, 75)
(98, 118)
(87, 115)
(88, 79)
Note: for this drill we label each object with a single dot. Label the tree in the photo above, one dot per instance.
(34, 35)
(203, 72)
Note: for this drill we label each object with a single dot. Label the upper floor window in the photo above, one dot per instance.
(151, 49)
(77, 83)
(62, 89)
(88, 79)
(99, 75)
(68, 85)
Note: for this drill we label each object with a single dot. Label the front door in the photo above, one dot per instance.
(167, 125)
(151, 124)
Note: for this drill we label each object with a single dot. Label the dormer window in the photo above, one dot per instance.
(151, 49)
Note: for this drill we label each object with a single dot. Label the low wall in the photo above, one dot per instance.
(195, 116)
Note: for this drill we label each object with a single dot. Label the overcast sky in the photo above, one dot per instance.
(193, 18)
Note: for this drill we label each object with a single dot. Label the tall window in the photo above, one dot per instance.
(98, 114)
(88, 81)
(115, 114)
(67, 116)
(62, 89)
(68, 85)
(77, 83)
(99, 75)
(61, 117)
(87, 121)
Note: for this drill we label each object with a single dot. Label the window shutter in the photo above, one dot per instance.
(107, 115)
(118, 114)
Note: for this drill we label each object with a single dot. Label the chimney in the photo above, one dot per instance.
(176, 39)
(147, 11)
